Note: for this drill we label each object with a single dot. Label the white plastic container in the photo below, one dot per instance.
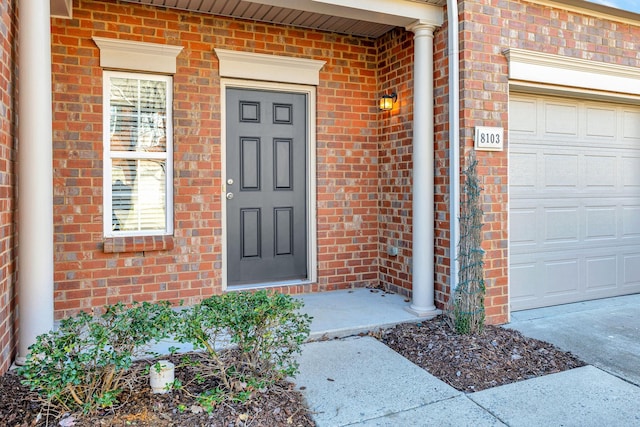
(159, 380)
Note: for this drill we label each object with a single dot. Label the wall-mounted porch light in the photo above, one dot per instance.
(387, 101)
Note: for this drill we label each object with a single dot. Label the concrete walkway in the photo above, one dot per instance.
(358, 381)
(604, 333)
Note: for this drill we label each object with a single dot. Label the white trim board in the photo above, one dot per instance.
(593, 8)
(259, 66)
(555, 70)
(137, 56)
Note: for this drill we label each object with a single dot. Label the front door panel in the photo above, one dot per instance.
(266, 186)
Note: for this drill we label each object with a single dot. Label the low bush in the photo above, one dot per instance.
(250, 338)
(249, 342)
(85, 364)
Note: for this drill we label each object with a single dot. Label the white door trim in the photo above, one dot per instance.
(310, 92)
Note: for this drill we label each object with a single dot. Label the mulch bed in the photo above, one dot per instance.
(280, 405)
(469, 363)
(472, 363)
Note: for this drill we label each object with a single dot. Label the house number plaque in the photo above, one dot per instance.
(489, 138)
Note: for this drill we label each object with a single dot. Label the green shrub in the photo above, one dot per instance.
(250, 338)
(85, 364)
(249, 342)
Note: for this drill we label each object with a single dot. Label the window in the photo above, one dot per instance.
(138, 153)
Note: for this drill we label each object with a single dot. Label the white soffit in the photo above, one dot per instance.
(542, 68)
(258, 66)
(366, 18)
(391, 12)
(138, 56)
(61, 8)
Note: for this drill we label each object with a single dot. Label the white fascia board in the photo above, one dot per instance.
(391, 12)
(543, 68)
(259, 66)
(137, 56)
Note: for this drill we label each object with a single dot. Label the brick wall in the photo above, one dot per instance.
(395, 73)
(484, 97)
(347, 167)
(363, 156)
(441, 164)
(488, 27)
(8, 75)
(190, 268)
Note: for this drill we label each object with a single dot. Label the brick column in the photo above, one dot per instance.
(423, 172)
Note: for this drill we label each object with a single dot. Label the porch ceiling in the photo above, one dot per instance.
(368, 18)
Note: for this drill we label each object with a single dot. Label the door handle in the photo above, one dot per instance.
(229, 196)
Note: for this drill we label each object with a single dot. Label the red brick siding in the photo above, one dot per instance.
(488, 28)
(8, 76)
(363, 156)
(441, 160)
(347, 167)
(395, 73)
(484, 95)
(347, 230)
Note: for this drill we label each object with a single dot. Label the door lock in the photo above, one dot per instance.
(229, 196)
(230, 181)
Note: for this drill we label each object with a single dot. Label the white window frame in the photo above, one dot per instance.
(109, 155)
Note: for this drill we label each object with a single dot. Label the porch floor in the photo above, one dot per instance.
(338, 314)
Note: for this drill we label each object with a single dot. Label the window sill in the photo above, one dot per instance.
(137, 244)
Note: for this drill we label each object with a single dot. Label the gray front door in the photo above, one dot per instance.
(266, 152)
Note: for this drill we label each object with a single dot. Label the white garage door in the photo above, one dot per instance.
(574, 202)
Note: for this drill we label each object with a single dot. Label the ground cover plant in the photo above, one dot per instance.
(84, 373)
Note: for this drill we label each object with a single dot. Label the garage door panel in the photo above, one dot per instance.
(551, 278)
(526, 275)
(549, 224)
(523, 227)
(560, 171)
(523, 169)
(631, 222)
(561, 225)
(601, 122)
(523, 116)
(602, 273)
(631, 174)
(561, 277)
(601, 171)
(560, 119)
(574, 201)
(632, 272)
(601, 222)
(631, 125)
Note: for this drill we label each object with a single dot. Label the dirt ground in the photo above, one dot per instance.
(469, 363)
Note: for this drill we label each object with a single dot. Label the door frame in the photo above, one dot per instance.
(310, 92)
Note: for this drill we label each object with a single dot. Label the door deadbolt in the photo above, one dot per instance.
(230, 181)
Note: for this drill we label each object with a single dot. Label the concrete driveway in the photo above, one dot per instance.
(603, 333)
